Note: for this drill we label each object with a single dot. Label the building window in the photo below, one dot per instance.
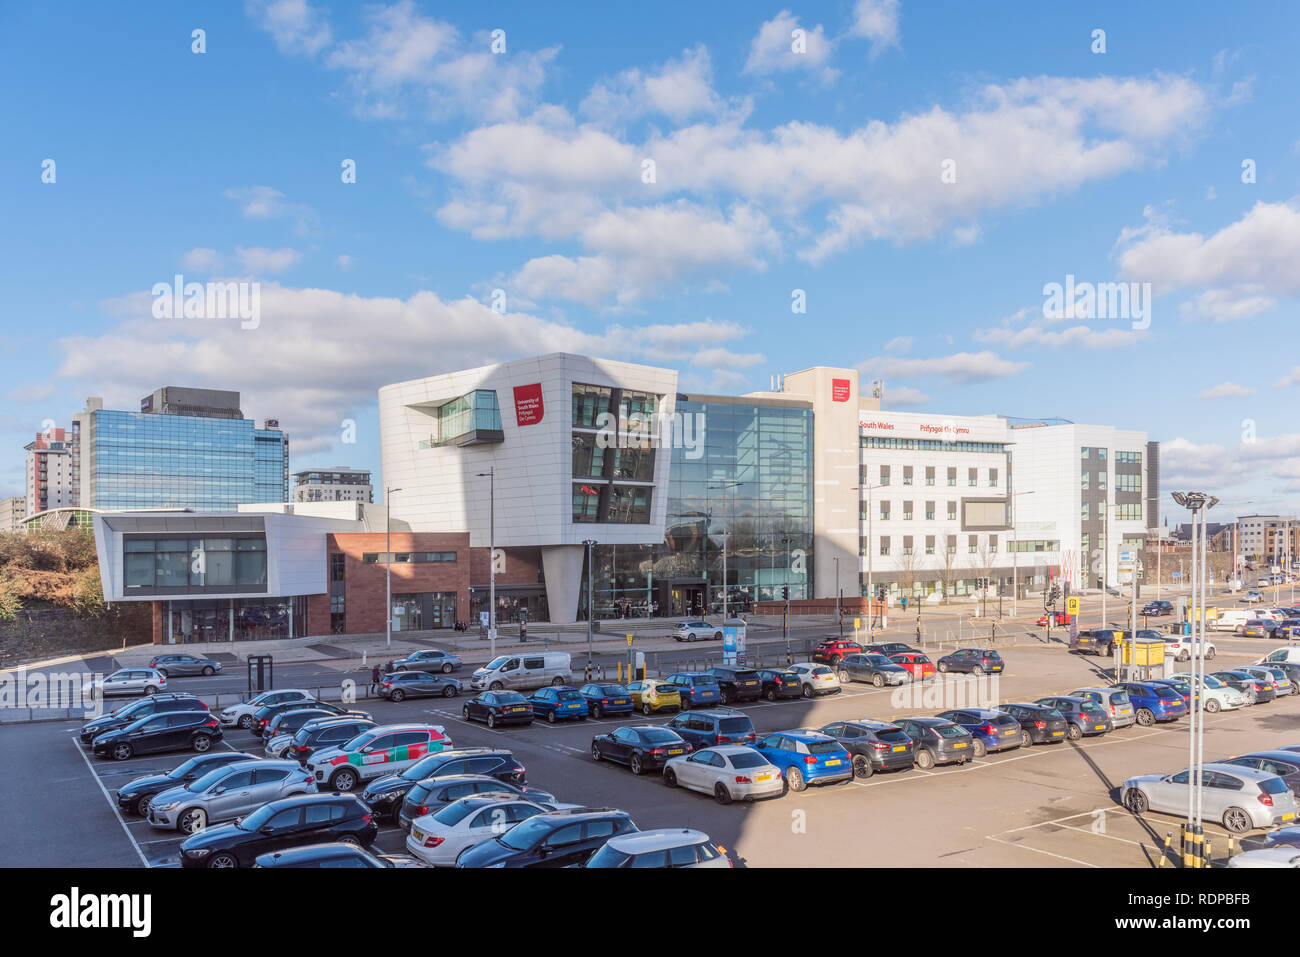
(929, 544)
(1128, 482)
(972, 544)
(972, 477)
(952, 511)
(884, 544)
(1131, 512)
(1084, 511)
(1083, 453)
(586, 502)
(952, 545)
(907, 475)
(907, 544)
(1101, 481)
(993, 543)
(952, 477)
(929, 475)
(884, 475)
(589, 402)
(907, 511)
(884, 511)
(929, 511)
(993, 478)
(1083, 480)
(1129, 458)
(629, 505)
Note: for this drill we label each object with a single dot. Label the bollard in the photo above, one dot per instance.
(1186, 849)
(1164, 852)
(1230, 843)
(1209, 853)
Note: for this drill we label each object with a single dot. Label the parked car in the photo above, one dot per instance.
(877, 669)
(730, 772)
(523, 672)
(1255, 628)
(1114, 701)
(325, 733)
(641, 747)
(703, 729)
(241, 715)
(1256, 689)
(1280, 856)
(333, 856)
(495, 708)
(1098, 641)
(1267, 679)
(554, 839)
(1239, 798)
(1184, 647)
(1285, 764)
(990, 730)
(873, 745)
(133, 711)
(607, 698)
(384, 795)
(779, 684)
(652, 695)
(1283, 836)
(920, 666)
(291, 822)
(1038, 724)
(806, 757)
(974, 661)
(665, 847)
(1214, 695)
(889, 648)
(1283, 681)
(429, 659)
(439, 837)
(695, 630)
(401, 685)
(937, 741)
(264, 716)
(1159, 608)
(125, 681)
(1191, 697)
(170, 731)
(227, 792)
(815, 679)
(737, 684)
(834, 650)
(1084, 716)
(1252, 597)
(387, 749)
(176, 666)
(134, 796)
(1153, 703)
(1059, 618)
(280, 732)
(560, 703)
(696, 689)
(429, 795)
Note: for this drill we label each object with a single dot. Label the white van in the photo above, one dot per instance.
(521, 672)
(1230, 618)
(1290, 656)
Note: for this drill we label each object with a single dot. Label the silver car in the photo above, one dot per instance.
(731, 772)
(1240, 798)
(429, 659)
(1114, 700)
(128, 681)
(227, 793)
(697, 629)
(665, 847)
(179, 665)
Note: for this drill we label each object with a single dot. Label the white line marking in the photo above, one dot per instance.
(112, 805)
(1026, 847)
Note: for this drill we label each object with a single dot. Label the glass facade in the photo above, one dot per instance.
(754, 481)
(177, 564)
(240, 619)
(613, 455)
(148, 460)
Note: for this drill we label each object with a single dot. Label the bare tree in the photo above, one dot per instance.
(949, 556)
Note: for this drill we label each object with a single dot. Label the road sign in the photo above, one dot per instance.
(1072, 605)
(629, 640)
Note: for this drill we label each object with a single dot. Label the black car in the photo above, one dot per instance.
(738, 684)
(876, 668)
(1038, 725)
(325, 733)
(263, 716)
(288, 722)
(973, 661)
(170, 731)
(291, 822)
(401, 685)
(645, 747)
(498, 707)
(432, 794)
(385, 794)
(1154, 609)
(1099, 641)
(873, 745)
(890, 648)
(337, 855)
(134, 795)
(780, 684)
(122, 716)
(553, 839)
(704, 729)
(937, 741)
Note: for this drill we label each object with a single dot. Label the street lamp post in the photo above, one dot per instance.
(388, 567)
(871, 596)
(491, 476)
(730, 518)
(785, 623)
(590, 542)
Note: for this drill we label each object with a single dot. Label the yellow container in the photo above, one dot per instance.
(1145, 653)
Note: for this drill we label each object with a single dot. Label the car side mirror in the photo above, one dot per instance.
(544, 850)
(218, 790)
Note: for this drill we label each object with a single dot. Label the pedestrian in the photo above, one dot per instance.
(374, 678)
(388, 669)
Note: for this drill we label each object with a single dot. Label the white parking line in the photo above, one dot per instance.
(111, 804)
(1026, 847)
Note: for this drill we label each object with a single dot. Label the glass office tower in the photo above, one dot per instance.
(752, 478)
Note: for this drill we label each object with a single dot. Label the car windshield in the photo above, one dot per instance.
(523, 836)
(360, 741)
(659, 737)
(1213, 682)
(454, 813)
(704, 680)
(1274, 786)
(425, 767)
(608, 857)
(257, 818)
(509, 697)
(612, 690)
(735, 726)
(570, 696)
(893, 735)
(1090, 707)
(1168, 694)
(821, 670)
(1051, 714)
(748, 759)
(177, 773)
(497, 662)
(949, 730)
(208, 780)
(880, 661)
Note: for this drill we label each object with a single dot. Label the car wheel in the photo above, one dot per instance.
(635, 764)
(844, 677)
(595, 712)
(557, 681)
(150, 690)
(686, 704)
(202, 742)
(208, 671)
(1136, 801)
(464, 712)
(1185, 656)
(943, 667)
(122, 751)
(670, 777)
(1209, 654)
(446, 667)
(397, 695)
(770, 694)
(350, 839)
(223, 860)
(862, 767)
(977, 670)
(721, 794)
(807, 691)
(979, 748)
(192, 820)
(345, 779)
(691, 636)
(246, 721)
(1074, 733)
(924, 759)
(717, 636)
(1145, 717)
(491, 721)
(495, 686)
(794, 780)
(550, 717)
(1026, 739)
(1212, 705)
(1236, 820)
(646, 709)
(450, 691)
(142, 805)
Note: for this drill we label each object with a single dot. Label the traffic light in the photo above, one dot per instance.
(785, 592)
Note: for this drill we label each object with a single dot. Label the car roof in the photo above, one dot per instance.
(927, 720)
(1079, 691)
(745, 749)
(311, 851)
(489, 798)
(806, 735)
(660, 839)
(874, 724)
(1272, 753)
(463, 752)
(439, 779)
(1249, 773)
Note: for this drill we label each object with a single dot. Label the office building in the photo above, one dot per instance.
(12, 512)
(1271, 539)
(53, 470)
(337, 484)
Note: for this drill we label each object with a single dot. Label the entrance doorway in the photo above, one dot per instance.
(683, 599)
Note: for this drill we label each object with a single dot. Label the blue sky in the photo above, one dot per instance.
(775, 170)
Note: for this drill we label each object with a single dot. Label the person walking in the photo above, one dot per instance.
(374, 678)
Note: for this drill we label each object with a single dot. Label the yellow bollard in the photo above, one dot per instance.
(1209, 853)
(1164, 852)
(1188, 860)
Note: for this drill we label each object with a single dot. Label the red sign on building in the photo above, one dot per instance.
(528, 404)
(840, 390)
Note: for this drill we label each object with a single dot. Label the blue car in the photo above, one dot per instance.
(606, 699)
(698, 689)
(1153, 702)
(806, 757)
(992, 730)
(559, 703)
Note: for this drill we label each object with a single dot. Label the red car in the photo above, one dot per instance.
(920, 666)
(834, 651)
(1058, 618)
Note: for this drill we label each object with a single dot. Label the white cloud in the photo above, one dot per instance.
(297, 26)
(877, 21)
(201, 259)
(264, 202)
(1227, 390)
(899, 344)
(344, 261)
(960, 368)
(1230, 304)
(1042, 335)
(31, 392)
(1292, 378)
(897, 396)
(260, 260)
(681, 89)
(773, 49)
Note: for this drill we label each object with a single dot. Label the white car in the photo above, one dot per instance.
(1281, 856)
(696, 629)
(437, 839)
(730, 772)
(815, 679)
(1215, 695)
(1183, 647)
(664, 847)
(242, 714)
(126, 681)
(1252, 597)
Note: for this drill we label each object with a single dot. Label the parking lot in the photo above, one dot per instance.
(1045, 806)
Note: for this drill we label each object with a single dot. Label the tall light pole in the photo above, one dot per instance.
(491, 476)
(388, 566)
(1015, 555)
(590, 607)
(785, 623)
(730, 518)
